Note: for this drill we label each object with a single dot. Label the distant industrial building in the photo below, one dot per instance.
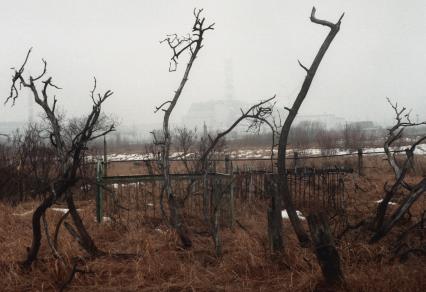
(216, 114)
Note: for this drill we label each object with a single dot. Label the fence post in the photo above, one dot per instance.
(99, 192)
(227, 163)
(216, 204)
(229, 170)
(360, 163)
(105, 156)
(295, 162)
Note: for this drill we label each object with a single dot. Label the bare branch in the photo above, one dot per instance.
(189, 42)
(325, 22)
(92, 92)
(18, 77)
(42, 73)
(304, 68)
(157, 108)
(258, 113)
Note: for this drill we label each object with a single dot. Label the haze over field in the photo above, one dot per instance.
(252, 54)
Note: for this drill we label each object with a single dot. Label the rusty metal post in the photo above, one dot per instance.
(360, 163)
(229, 170)
(295, 161)
(105, 156)
(99, 193)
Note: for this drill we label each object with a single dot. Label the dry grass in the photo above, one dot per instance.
(246, 265)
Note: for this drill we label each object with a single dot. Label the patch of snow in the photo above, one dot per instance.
(23, 214)
(104, 219)
(284, 214)
(390, 203)
(62, 210)
(159, 230)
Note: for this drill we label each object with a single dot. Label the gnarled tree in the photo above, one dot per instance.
(382, 225)
(68, 149)
(274, 217)
(257, 115)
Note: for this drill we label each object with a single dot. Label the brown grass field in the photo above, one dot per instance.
(160, 264)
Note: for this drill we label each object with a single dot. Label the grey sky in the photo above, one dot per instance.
(379, 52)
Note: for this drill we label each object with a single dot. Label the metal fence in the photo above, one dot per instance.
(238, 190)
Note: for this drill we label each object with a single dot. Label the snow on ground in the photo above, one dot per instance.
(285, 215)
(61, 210)
(23, 214)
(104, 219)
(257, 153)
(390, 203)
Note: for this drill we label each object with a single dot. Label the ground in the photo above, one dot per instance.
(158, 263)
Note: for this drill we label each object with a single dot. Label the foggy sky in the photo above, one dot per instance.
(379, 52)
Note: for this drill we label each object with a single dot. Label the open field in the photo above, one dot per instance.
(158, 263)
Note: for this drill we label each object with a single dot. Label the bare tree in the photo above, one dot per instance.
(185, 139)
(192, 44)
(69, 152)
(275, 220)
(380, 225)
(353, 136)
(258, 115)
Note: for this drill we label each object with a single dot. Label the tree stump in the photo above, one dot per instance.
(326, 252)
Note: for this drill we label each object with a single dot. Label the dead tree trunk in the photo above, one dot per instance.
(86, 240)
(36, 225)
(283, 189)
(57, 192)
(191, 44)
(326, 252)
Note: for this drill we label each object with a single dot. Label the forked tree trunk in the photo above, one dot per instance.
(86, 240)
(36, 242)
(36, 224)
(397, 215)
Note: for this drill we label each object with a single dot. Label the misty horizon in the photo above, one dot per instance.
(250, 56)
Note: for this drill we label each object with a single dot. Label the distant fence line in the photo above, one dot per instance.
(292, 157)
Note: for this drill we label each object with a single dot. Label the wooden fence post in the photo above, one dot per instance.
(227, 163)
(295, 161)
(360, 163)
(229, 170)
(105, 157)
(216, 205)
(326, 252)
(99, 192)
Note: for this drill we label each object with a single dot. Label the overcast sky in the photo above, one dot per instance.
(379, 52)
